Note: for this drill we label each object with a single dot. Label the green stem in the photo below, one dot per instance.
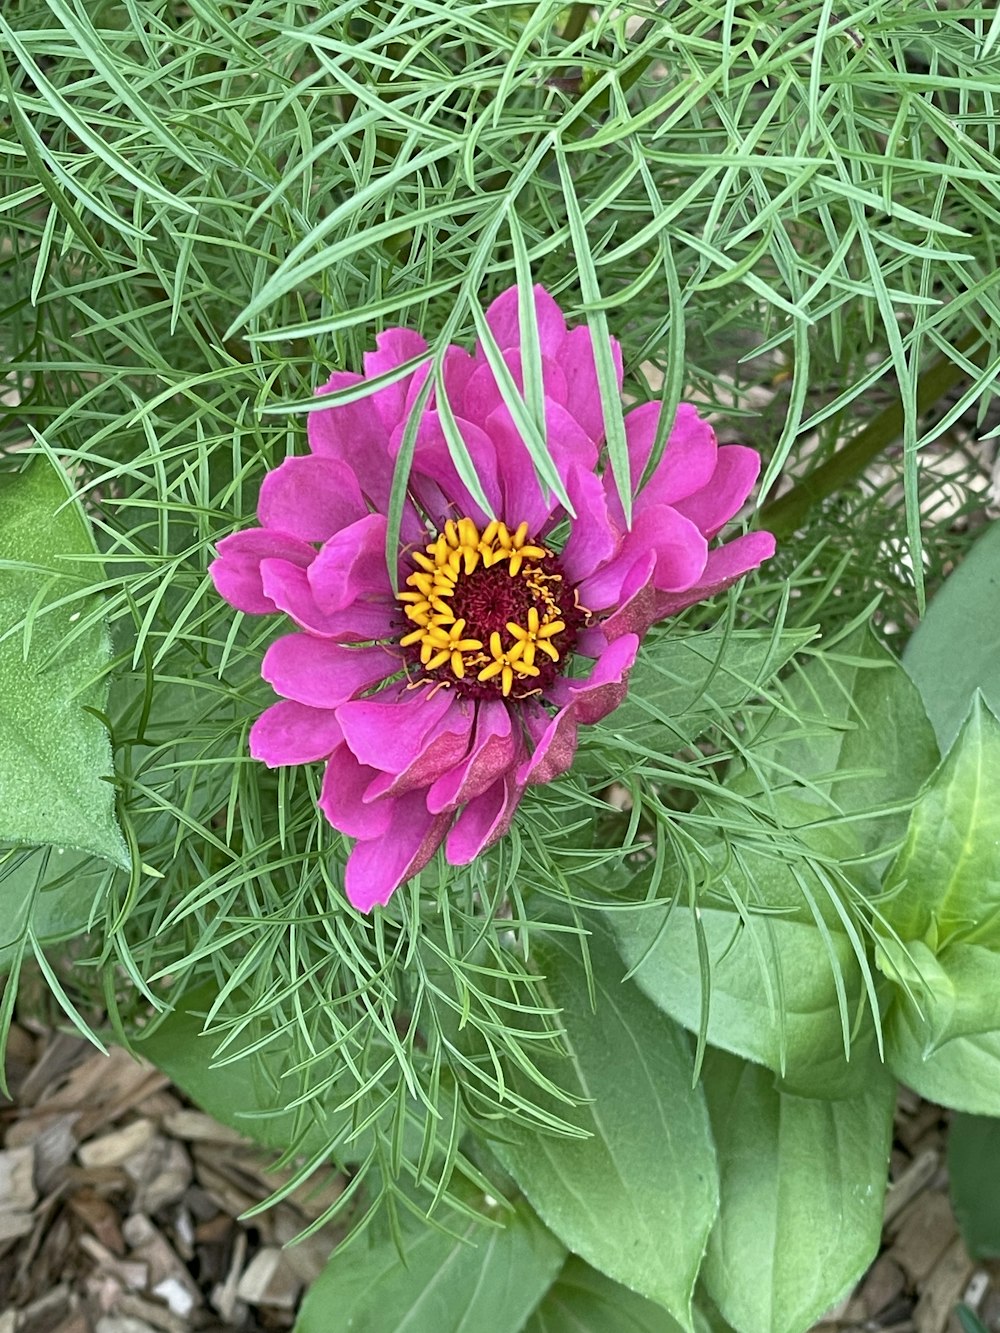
(785, 515)
(575, 23)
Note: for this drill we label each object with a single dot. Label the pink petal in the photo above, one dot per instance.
(592, 540)
(311, 498)
(434, 479)
(714, 505)
(323, 674)
(443, 746)
(504, 323)
(493, 751)
(376, 868)
(686, 464)
(725, 565)
(290, 590)
(394, 348)
(521, 498)
(605, 688)
(483, 821)
(636, 609)
(680, 549)
(583, 394)
(482, 393)
(555, 746)
(344, 783)
(356, 434)
(291, 733)
(236, 571)
(456, 369)
(351, 566)
(388, 732)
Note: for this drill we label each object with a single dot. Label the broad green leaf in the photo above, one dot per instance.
(688, 682)
(943, 1038)
(54, 891)
(801, 1184)
(773, 994)
(946, 879)
(464, 1279)
(973, 1171)
(582, 1300)
(955, 650)
(637, 1197)
(856, 739)
(55, 757)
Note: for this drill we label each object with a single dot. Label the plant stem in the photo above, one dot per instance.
(785, 515)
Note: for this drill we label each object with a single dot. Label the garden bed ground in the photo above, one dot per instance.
(120, 1206)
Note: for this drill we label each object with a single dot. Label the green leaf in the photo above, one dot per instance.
(637, 1198)
(973, 1169)
(54, 891)
(773, 991)
(55, 755)
(801, 1184)
(946, 879)
(688, 682)
(856, 738)
(459, 1280)
(955, 650)
(943, 1038)
(582, 1300)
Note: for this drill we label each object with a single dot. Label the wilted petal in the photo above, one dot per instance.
(443, 746)
(483, 821)
(311, 498)
(493, 750)
(236, 571)
(389, 732)
(554, 746)
(321, 673)
(605, 688)
(376, 868)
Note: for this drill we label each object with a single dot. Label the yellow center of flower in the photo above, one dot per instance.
(490, 610)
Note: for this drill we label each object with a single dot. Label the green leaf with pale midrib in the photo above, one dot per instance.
(55, 755)
(477, 1277)
(637, 1198)
(801, 1188)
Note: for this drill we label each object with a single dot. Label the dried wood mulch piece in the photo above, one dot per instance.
(119, 1204)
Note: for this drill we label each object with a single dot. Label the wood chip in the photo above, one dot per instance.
(100, 1218)
(196, 1127)
(116, 1148)
(270, 1280)
(915, 1178)
(17, 1187)
(926, 1230)
(943, 1289)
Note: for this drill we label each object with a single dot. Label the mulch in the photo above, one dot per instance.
(120, 1209)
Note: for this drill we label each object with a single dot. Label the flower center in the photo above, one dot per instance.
(491, 611)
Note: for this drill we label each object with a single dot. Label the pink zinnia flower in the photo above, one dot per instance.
(434, 710)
